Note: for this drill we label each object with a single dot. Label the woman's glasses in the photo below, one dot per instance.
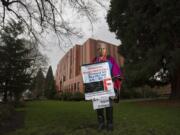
(100, 49)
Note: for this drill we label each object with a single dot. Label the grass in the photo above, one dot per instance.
(78, 118)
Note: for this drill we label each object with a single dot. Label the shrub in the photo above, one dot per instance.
(18, 104)
(6, 112)
(67, 96)
(141, 92)
(78, 96)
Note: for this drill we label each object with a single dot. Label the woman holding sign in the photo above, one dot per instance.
(116, 74)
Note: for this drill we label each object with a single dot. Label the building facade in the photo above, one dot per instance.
(68, 73)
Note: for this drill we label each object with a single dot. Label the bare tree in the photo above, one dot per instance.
(41, 16)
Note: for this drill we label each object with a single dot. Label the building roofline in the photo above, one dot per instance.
(108, 42)
(77, 45)
(89, 39)
(98, 40)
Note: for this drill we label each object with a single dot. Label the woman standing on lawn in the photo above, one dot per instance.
(115, 71)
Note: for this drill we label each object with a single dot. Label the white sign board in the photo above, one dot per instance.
(97, 80)
(101, 102)
(95, 72)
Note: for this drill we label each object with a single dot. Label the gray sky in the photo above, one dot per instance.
(101, 31)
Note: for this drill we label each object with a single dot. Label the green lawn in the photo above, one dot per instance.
(78, 118)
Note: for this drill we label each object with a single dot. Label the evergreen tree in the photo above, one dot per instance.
(14, 61)
(50, 90)
(149, 31)
(38, 85)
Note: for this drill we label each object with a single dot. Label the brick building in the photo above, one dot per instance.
(68, 73)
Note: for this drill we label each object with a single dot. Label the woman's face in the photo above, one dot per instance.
(102, 51)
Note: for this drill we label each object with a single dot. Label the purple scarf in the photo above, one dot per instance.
(116, 71)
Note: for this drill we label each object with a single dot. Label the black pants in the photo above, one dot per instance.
(109, 111)
(109, 115)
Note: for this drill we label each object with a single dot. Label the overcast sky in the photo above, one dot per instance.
(101, 31)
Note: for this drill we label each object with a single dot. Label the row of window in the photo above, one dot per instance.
(73, 87)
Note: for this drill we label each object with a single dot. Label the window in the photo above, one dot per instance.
(78, 86)
(75, 87)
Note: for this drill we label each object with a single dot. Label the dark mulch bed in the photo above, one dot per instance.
(14, 122)
(162, 102)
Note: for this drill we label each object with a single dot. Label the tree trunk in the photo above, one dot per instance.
(10, 96)
(5, 92)
(5, 96)
(175, 85)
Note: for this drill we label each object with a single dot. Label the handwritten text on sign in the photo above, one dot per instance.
(94, 73)
(101, 102)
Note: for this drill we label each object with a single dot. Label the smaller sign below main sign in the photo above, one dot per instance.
(101, 102)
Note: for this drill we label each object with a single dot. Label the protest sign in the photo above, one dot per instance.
(97, 80)
(101, 102)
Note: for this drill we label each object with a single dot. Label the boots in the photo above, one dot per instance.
(109, 117)
(100, 116)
